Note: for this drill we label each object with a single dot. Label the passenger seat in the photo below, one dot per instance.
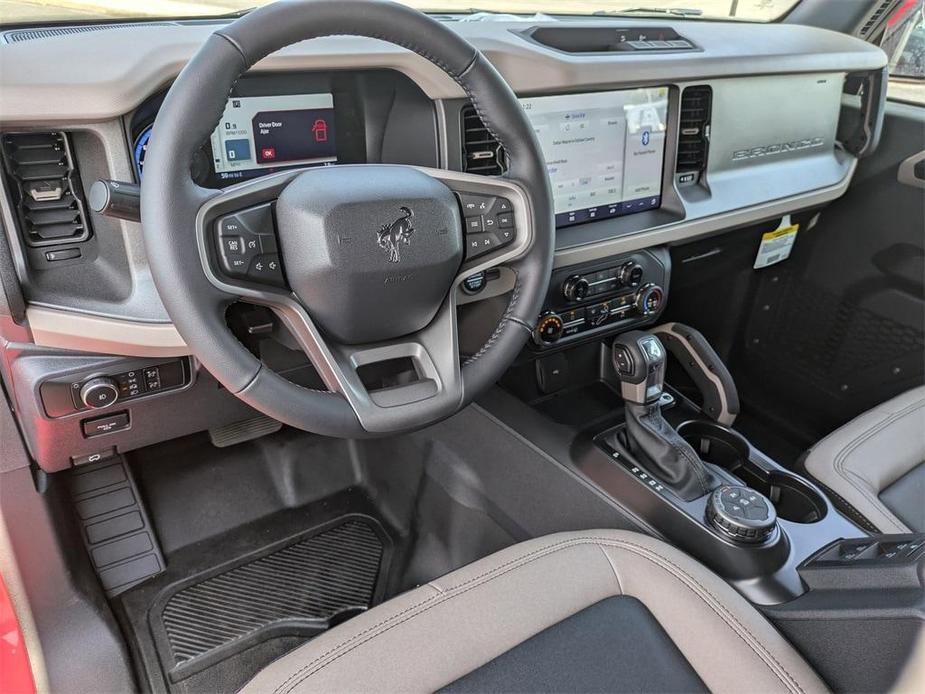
(874, 466)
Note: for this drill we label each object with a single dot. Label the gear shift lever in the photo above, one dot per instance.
(639, 359)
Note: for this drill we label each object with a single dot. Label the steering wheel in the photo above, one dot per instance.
(361, 262)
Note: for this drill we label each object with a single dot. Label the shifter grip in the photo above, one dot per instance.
(703, 365)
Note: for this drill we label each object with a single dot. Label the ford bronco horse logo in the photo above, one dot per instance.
(392, 236)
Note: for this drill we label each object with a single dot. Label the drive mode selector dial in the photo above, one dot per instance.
(576, 288)
(548, 329)
(741, 513)
(649, 299)
(99, 392)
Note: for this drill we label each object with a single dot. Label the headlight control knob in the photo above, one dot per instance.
(576, 288)
(99, 392)
(649, 299)
(548, 329)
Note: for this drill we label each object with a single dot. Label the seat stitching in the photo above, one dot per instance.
(718, 608)
(613, 568)
(841, 459)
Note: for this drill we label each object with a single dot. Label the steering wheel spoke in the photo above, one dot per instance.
(498, 221)
(389, 385)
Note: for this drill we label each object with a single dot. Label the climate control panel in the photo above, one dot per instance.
(607, 296)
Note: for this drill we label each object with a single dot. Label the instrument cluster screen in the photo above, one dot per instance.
(261, 134)
(604, 151)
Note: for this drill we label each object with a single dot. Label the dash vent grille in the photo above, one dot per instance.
(19, 35)
(693, 138)
(482, 154)
(872, 21)
(45, 186)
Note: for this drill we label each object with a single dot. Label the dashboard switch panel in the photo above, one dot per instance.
(96, 390)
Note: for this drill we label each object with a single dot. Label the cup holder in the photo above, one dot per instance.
(793, 498)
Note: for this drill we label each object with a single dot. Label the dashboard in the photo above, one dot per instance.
(656, 133)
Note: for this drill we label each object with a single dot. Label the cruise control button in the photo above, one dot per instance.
(235, 265)
(232, 245)
(230, 226)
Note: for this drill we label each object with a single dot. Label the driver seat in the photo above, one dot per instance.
(601, 610)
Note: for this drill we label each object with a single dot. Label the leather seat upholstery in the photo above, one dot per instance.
(600, 609)
(874, 466)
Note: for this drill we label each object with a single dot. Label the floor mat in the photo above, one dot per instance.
(228, 606)
(320, 579)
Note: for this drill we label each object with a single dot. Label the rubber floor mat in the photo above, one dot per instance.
(302, 588)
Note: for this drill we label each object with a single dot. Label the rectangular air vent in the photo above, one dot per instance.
(694, 133)
(480, 150)
(872, 21)
(45, 187)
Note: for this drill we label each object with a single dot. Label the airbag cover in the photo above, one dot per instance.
(370, 250)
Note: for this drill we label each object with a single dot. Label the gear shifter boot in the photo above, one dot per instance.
(639, 360)
(665, 454)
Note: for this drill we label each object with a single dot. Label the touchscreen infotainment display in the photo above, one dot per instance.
(604, 151)
(258, 133)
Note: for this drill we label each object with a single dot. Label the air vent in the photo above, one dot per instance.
(480, 150)
(45, 187)
(19, 35)
(872, 21)
(694, 134)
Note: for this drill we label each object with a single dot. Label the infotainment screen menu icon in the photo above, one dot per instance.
(604, 151)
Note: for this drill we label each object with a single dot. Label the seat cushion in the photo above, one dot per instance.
(488, 625)
(875, 465)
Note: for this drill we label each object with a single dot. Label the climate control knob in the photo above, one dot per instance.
(649, 299)
(99, 392)
(576, 288)
(548, 329)
(630, 275)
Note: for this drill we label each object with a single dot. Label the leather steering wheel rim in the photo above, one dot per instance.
(171, 202)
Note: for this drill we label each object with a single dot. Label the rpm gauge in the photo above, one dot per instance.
(141, 147)
(200, 169)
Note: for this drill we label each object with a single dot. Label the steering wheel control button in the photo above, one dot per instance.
(490, 219)
(473, 284)
(118, 421)
(266, 269)
(248, 247)
(99, 392)
(475, 225)
(476, 204)
(741, 513)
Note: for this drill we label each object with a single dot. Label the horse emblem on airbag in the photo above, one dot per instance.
(392, 236)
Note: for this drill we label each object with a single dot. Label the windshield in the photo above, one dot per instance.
(31, 11)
